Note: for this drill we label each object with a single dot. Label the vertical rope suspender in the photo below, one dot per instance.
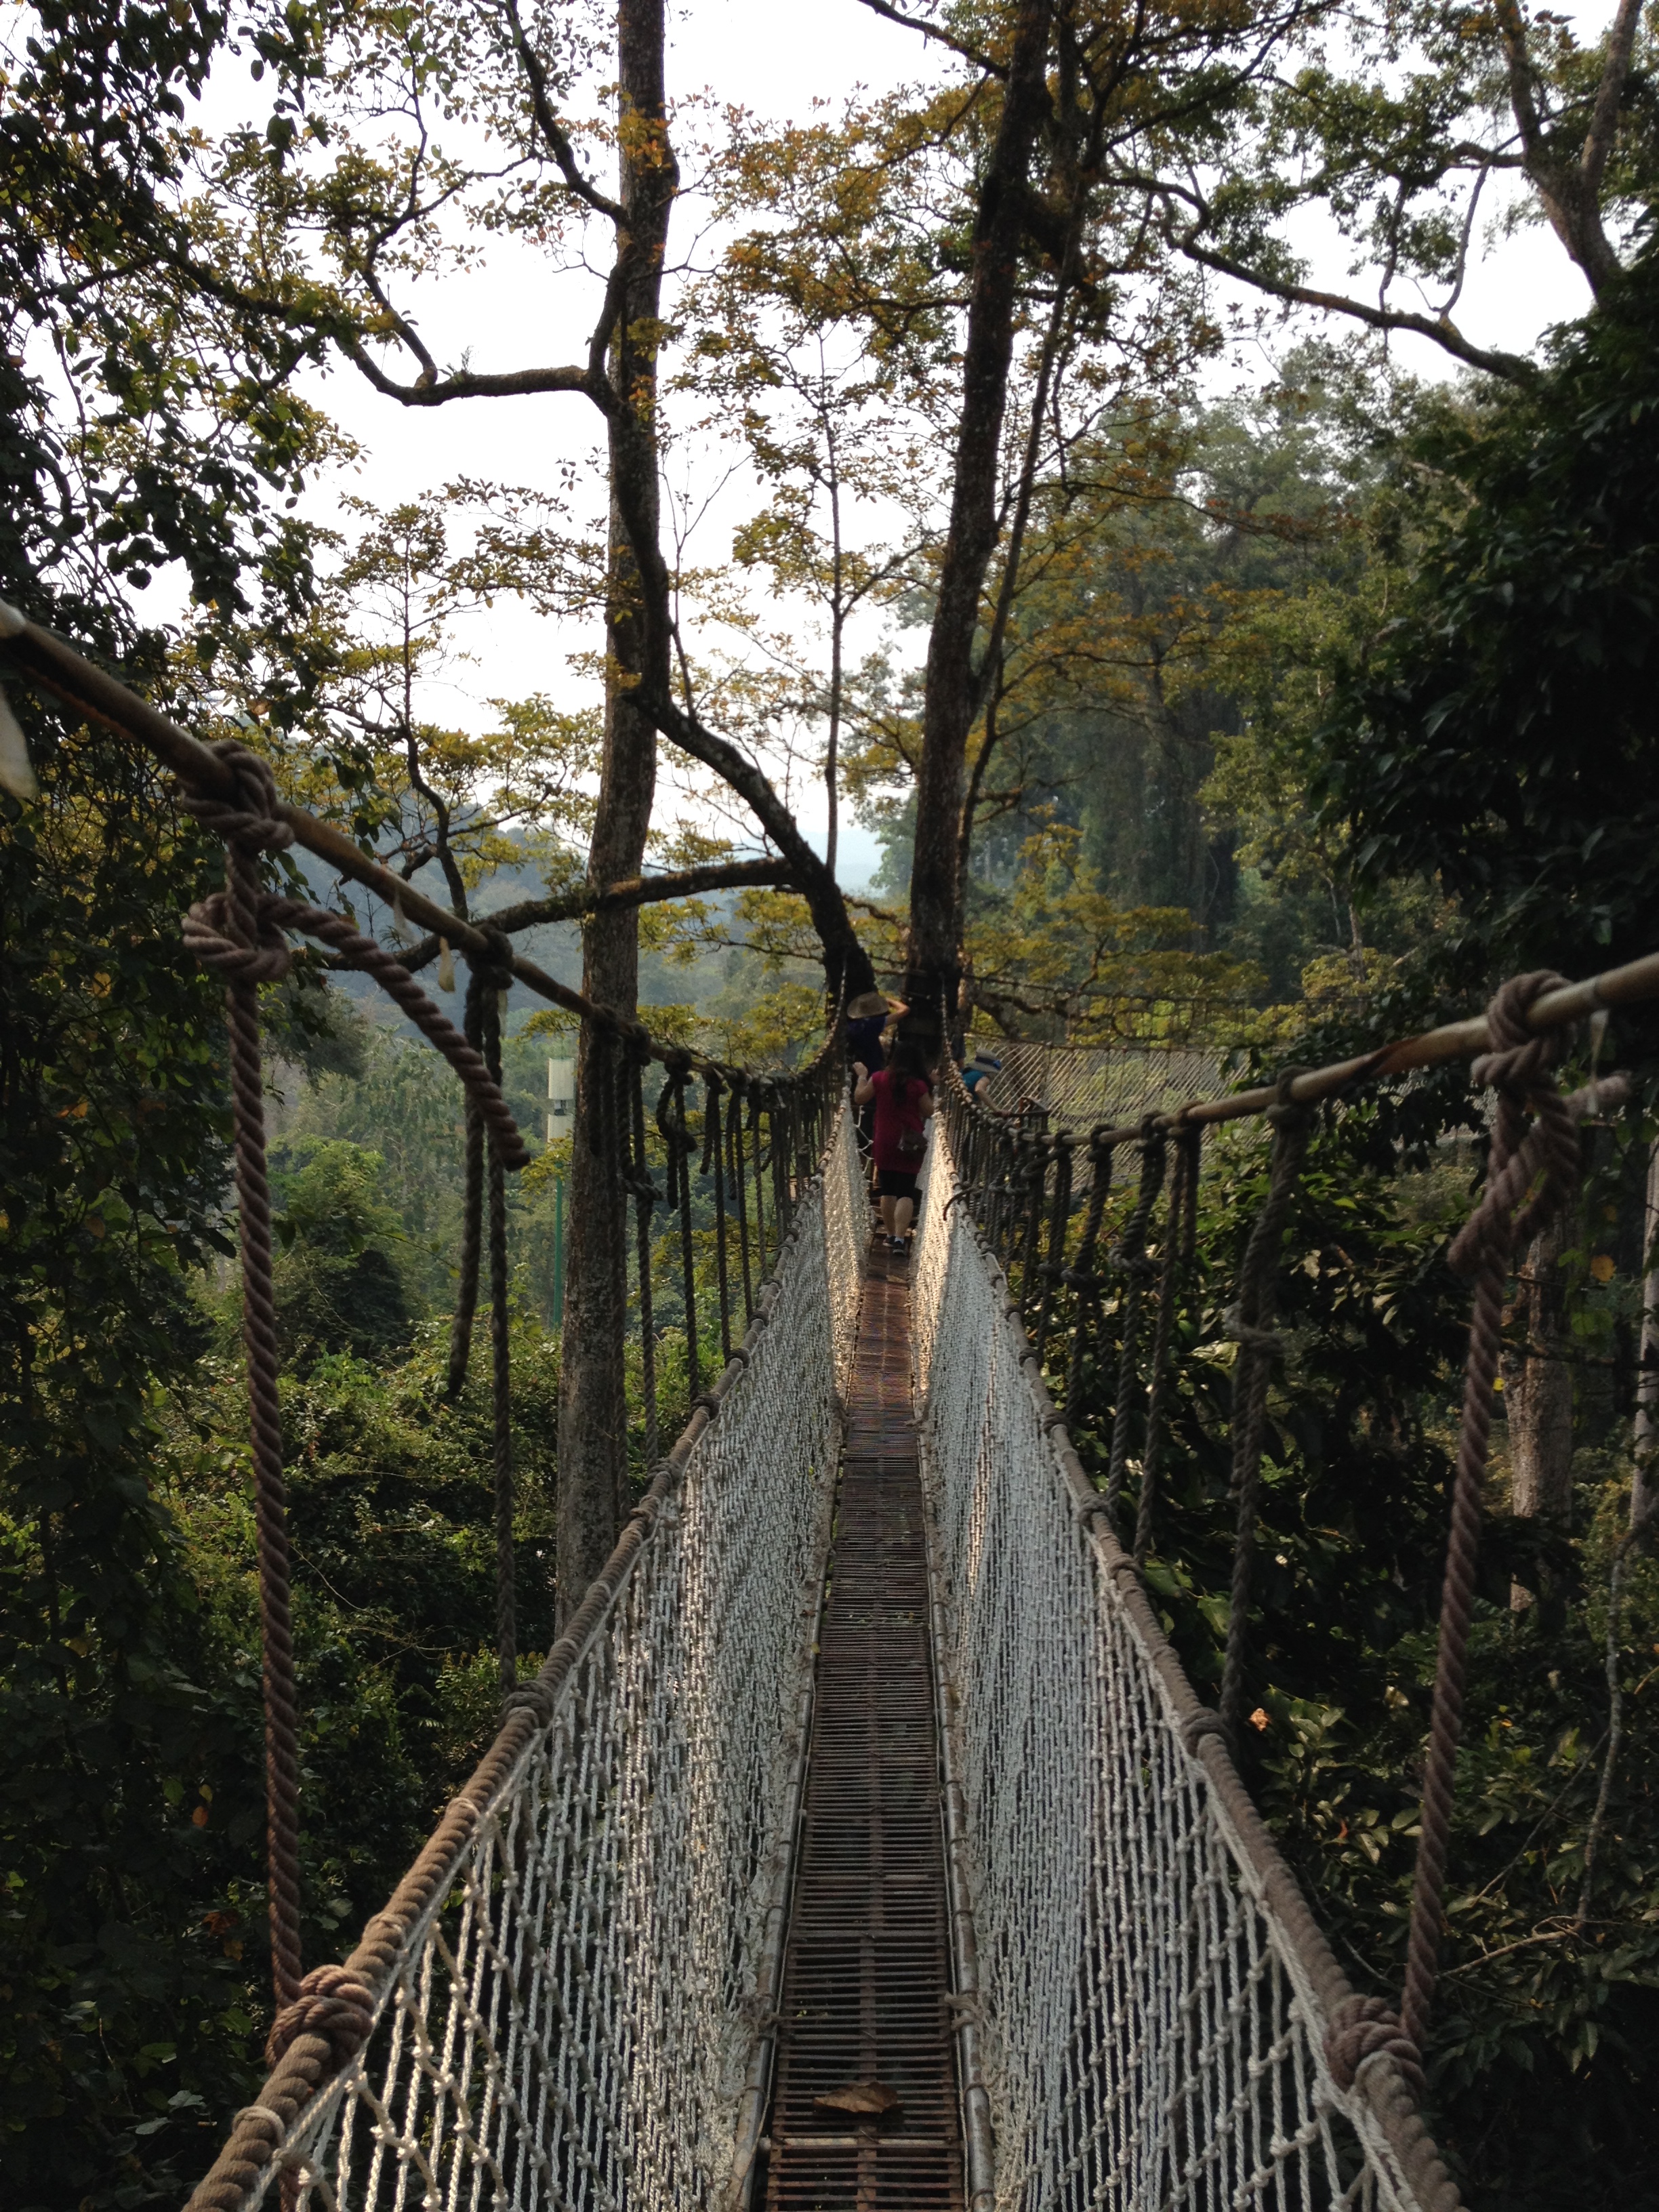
(1533, 1166)
(1250, 1324)
(1179, 1240)
(238, 932)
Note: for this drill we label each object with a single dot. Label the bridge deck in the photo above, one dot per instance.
(867, 1970)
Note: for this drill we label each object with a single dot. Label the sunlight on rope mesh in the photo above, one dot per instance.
(573, 2023)
(1153, 1999)
(1082, 1086)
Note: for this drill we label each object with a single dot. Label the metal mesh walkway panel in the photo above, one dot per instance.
(864, 1998)
(572, 2025)
(1151, 2031)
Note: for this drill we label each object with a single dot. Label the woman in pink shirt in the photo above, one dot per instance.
(904, 1095)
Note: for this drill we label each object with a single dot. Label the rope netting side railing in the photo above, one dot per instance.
(1070, 1260)
(562, 2005)
(712, 1162)
(1157, 2019)
(1084, 1085)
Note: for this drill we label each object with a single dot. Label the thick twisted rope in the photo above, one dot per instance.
(467, 1286)
(1082, 1280)
(206, 934)
(1250, 1322)
(737, 1183)
(501, 1375)
(1059, 1214)
(1137, 1270)
(1533, 1166)
(1362, 2027)
(676, 1133)
(234, 933)
(239, 933)
(714, 1156)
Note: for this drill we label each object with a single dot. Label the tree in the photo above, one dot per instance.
(1395, 126)
(593, 1471)
(131, 445)
(1497, 732)
(824, 440)
(1053, 241)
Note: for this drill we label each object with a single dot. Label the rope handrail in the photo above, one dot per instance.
(475, 1908)
(1633, 983)
(49, 661)
(242, 933)
(1165, 2022)
(1007, 1160)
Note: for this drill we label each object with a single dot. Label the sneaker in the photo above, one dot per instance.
(896, 1244)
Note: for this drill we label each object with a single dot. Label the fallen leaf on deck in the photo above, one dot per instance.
(867, 2098)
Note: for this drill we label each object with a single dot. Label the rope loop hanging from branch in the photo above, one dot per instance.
(240, 934)
(232, 932)
(637, 1169)
(466, 1287)
(713, 1161)
(675, 1131)
(1083, 1281)
(493, 981)
(1059, 1214)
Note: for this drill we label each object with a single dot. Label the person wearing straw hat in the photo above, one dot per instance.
(868, 1016)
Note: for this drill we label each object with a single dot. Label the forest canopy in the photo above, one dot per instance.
(1062, 526)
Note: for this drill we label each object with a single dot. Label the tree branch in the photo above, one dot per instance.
(940, 38)
(1604, 118)
(547, 122)
(515, 383)
(1446, 335)
(639, 890)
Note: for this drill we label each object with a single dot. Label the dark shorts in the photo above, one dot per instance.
(896, 1183)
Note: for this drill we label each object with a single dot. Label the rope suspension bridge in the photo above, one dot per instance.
(861, 1842)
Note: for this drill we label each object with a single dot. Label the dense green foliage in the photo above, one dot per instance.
(1324, 707)
(1501, 730)
(132, 1944)
(1540, 2056)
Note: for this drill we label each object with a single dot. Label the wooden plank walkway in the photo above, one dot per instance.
(866, 1969)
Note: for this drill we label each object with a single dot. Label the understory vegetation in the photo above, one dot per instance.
(1312, 694)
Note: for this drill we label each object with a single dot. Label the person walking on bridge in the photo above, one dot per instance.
(902, 1094)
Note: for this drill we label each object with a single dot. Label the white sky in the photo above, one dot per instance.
(512, 312)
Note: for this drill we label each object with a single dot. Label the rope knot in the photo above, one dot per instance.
(1533, 1166)
(532, 1698)
(213, 930)
(1195, 1727)
(492, 972)
(1287, 1112)
(1360, 2028)
(249, 820)
(332, 2004)
(1519, 1057)
(232, 932)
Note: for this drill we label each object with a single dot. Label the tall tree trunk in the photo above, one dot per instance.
(593, 1477)
(1538, 1385)
(951, 696)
